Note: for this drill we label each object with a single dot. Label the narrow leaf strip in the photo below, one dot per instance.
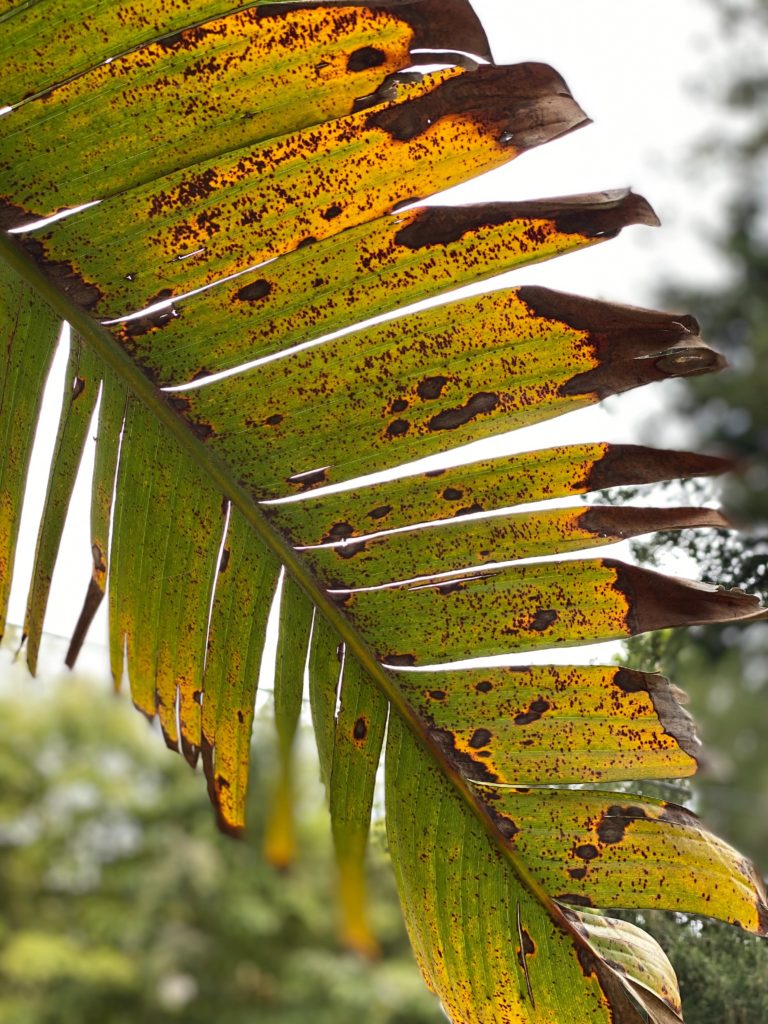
(245, 586)
(481, 487)
(512, 726)
(293, 638)
(325, 660)
(617, 850)
(490, 949)
(137, 538)
(528, 607)
(187, 585)
(67, 44)
(461, 544)
(432, 380)
(111, 415)
(81, 389)
(168, 513)
(220, 216)
(359, 735)
(363, 272)
(28, 332)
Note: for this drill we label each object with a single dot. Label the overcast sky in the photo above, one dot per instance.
(631, 66)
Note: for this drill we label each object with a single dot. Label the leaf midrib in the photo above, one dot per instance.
(113, 355)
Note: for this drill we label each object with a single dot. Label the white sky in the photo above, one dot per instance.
(630, 65)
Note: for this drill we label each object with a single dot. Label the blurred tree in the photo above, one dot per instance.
(725, 670)
(122, 903)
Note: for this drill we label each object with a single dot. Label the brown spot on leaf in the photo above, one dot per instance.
(534, 712)
(64, 275)
(399, 405)
(339, 531)
(467, 764)
(587, 852)
(350, 550)
(575, 898)
(224, 562)
(254, 291)
(480, 738)
(437, 694)
(332, 212)
(308, 480)
(360, 730)
(274, 419)
(400, 660)
(450, 588)
(577, 873)
(431, 387)
(529, 946)
(614, 822)
(506, 826)
(397, 428)
(380, 512)
(543, 619)
(452, 494)
(469, 510)
(451, 419)
(484, 686)
(366, 57)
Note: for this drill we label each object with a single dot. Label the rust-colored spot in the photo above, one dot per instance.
(254, 291)
(431, 387)
(480, 738)
(360, 730)
(366, 57)
(587, 852)
(613, 823)
(451, 419)
(543, 619)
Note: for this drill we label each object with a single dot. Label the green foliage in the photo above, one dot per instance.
(723, 973)
(122, 903)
